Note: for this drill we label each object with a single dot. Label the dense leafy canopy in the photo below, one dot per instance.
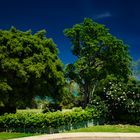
(100, 55)
(29, 66)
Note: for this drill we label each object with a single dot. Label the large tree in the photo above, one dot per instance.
(100, 55)
(29, 66)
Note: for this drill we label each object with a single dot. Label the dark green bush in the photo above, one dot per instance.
(7, 109)
(52, 107)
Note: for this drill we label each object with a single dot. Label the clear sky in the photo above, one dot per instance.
(122, 17)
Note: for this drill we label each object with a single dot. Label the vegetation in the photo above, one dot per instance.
(98, 128)
(102, 71)
(29, 111)
(97, 51)
(6, 135)
(102, 81)
(123, 102)
(109, 128)
(29, 66)
(39, 122)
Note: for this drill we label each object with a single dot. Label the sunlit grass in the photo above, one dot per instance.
(98, 128)
(37, 110)
(29, 110)
(109, 128)
(6, 135)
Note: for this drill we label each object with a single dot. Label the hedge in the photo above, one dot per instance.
(46, 121)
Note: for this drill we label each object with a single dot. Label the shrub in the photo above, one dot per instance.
(77, 109)
(52, 107)
(45, 121)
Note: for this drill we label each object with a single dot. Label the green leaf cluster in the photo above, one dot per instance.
(29, 66)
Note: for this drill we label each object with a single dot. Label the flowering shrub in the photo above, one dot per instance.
(123, 101)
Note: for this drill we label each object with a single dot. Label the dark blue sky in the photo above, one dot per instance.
(122, 17)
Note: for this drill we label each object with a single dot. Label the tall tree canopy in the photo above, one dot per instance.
(100, 56)
(29, 66)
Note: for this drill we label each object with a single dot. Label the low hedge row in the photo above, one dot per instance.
(47, 120)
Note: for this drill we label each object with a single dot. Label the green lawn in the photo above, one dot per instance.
(109, 128)
(36, 110)
(6, 135)
(29, 110)
(98, 128)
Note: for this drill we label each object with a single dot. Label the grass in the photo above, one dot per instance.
(7, 135)
(98, 128)
(110, 128)
(29, 110)
(36, 110)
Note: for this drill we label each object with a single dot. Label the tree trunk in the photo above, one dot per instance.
(92, 91)
(86, 95)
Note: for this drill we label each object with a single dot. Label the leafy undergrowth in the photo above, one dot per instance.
(7, 135)
(109, 128)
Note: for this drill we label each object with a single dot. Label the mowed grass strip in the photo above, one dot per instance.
(10, 135)
(110, 128)
(98, 128)
(29, 110)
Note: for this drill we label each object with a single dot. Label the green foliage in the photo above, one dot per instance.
(71, 96)
(133, 101)
(45, 121)
(52, 107)
(122, 101)
(99, 54)
(103, 72)
(29, 66)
